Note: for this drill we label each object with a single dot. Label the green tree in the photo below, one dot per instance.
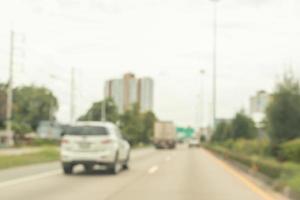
(243, 127)
(202, 138)
(223, 132)
(148, 119)
(33, 104)
(137, 127)
(283, 114)
(95, 112)
(131, 124)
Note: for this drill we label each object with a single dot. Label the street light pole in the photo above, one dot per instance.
(9, 98)
(103, 107)
(202, 73)
(72, 96)
(214, 85)
(103, 111)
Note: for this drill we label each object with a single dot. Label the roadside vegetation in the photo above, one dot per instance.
(45, 154)
(275, 154)
(31, 104)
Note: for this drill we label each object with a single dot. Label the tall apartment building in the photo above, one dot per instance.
(145, 94)
(115, 90)
(129, 90)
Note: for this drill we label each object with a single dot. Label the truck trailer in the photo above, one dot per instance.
(164, 135)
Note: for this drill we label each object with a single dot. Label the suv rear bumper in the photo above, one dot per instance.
(103, 157)
(87, 162)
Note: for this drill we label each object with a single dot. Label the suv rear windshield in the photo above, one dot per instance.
(87, 130)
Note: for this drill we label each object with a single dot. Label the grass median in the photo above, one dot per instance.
(46, 154)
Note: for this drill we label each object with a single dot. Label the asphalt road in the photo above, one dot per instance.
(181, 174)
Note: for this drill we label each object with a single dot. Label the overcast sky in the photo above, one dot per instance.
(168, 40)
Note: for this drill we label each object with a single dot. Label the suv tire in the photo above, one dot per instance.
(67, 168)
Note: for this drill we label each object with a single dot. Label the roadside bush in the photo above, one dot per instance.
(251, 147)
(44, 142)
(227, 154)
(228, 144)
(294, 183)
(47, 154)
(267, 166)
(291, 150)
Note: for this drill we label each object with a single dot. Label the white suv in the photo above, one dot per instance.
(94, 143)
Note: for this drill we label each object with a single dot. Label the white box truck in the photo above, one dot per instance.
(164, 135)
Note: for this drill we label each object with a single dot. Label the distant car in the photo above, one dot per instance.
(94, 143)
(194, 142)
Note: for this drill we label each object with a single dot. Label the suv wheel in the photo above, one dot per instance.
(116, 166)
(67, 168)
(126, 163)
(88, 168)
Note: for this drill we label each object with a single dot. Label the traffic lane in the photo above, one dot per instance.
(189, 175)
(98, 185)
(36, 169)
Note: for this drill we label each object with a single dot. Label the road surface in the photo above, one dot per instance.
(181, 174)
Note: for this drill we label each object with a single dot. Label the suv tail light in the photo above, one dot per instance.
(64, 141)
(106, 141)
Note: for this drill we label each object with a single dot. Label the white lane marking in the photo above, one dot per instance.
(153, 169)
(168, 158)
(29, 178)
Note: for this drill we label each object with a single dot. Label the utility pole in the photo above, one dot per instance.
(103, 109)
(202, 107)
(72, 96)
(214, 85)
(51, 111)
(9, 99)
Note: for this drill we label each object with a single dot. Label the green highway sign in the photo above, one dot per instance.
(185, 132)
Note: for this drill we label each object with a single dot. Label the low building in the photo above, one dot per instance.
(259, 102)
(258, 107)
(49, 130)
